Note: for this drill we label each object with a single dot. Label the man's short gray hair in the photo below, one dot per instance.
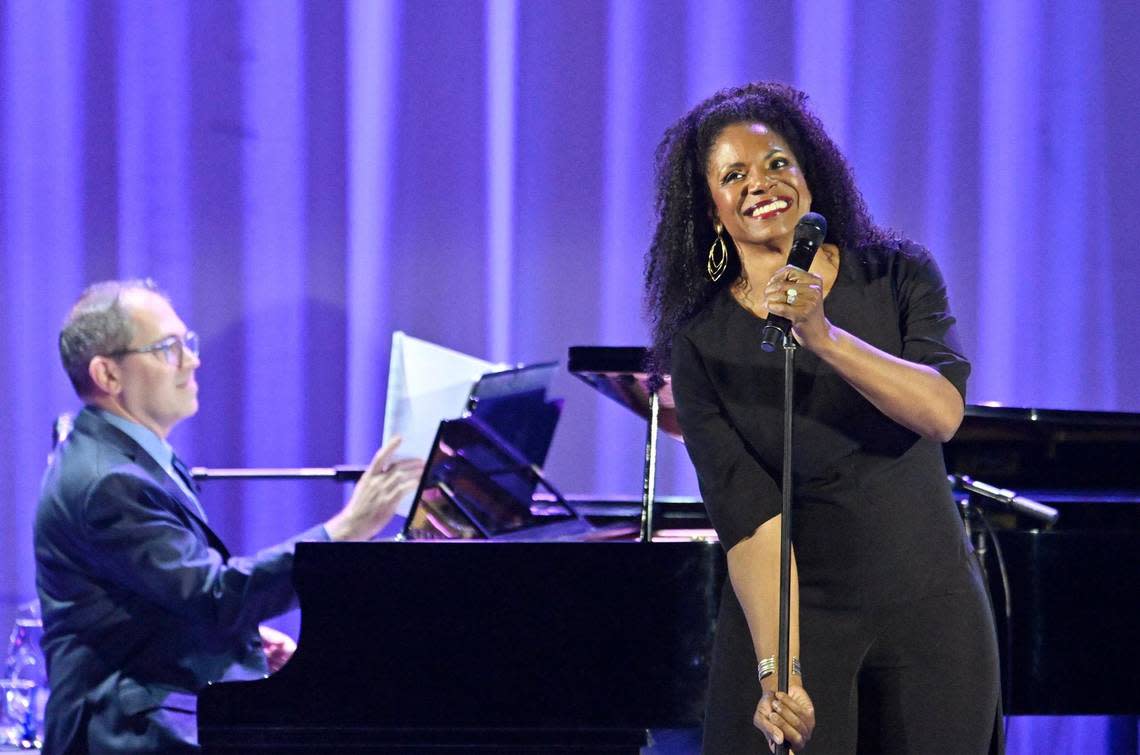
(97, 324)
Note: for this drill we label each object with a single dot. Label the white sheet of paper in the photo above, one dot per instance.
(427, 384)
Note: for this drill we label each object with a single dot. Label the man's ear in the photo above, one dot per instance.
(104, 373)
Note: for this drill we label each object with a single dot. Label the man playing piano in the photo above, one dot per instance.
(142, 603)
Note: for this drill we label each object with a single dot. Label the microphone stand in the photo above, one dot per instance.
(340, 473)
(810, 233)
(783, 659)
(650, 477)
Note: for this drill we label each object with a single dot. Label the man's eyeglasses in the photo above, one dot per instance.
(173, 348)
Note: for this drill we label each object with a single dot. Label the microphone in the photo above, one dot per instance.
(810, 232)
(1018, 504)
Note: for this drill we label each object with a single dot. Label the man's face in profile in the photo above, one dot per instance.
(158, 387)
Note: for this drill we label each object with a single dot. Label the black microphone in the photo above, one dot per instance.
(810, 232)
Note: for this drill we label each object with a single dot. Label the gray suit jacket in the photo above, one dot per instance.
(142, 603)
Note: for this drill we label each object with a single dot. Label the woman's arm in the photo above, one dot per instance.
(754, 569)
(916, 396)
(743, 504)
(913, 394)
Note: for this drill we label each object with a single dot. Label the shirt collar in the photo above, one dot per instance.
(159, 449)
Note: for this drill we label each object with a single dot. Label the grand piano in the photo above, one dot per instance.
(486, 646)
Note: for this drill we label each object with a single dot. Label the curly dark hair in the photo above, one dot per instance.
(677, 285)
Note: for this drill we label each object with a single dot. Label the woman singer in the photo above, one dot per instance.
(891, 629)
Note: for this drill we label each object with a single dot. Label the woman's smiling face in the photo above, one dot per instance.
(758, 190)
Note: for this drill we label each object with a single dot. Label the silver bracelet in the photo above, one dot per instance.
(767, 667)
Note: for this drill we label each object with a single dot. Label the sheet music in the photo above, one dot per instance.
(427, 384)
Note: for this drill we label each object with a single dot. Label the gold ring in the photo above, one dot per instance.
(791, 296)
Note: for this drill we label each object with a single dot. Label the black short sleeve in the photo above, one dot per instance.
(928, 333)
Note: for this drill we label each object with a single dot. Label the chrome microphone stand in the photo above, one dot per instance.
(340, 473)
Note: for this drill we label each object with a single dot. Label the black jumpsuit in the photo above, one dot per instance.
(897, 637)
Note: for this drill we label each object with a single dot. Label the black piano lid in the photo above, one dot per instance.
(1068, 454)
(1056, 417)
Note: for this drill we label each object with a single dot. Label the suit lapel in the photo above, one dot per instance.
(175, 491)
(90, 422)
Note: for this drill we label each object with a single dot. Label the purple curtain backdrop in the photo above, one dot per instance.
(306, 177)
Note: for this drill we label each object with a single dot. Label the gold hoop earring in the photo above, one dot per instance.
(716, 267)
